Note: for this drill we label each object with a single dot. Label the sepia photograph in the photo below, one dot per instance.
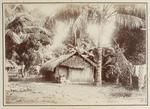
(75, 54)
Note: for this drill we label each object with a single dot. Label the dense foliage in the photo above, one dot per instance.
(32, 38)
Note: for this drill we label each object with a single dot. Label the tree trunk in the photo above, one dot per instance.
(98, 81)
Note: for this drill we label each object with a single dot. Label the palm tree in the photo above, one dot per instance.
(131, 16)
(126, 18)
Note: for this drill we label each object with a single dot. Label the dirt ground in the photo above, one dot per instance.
(47, 93)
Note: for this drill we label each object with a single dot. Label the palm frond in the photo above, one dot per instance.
(19, 18)
(36, 29)
(129, 21)
(81, 21)
(14, 37)
(67, 12)
(138, 10)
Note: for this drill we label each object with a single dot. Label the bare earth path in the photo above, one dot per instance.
(23, 92)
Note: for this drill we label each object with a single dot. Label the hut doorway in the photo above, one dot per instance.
(63, 71)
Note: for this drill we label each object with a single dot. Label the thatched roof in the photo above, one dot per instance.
(53, 63)
(10, 64)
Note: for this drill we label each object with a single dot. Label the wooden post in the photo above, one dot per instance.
(130, 79)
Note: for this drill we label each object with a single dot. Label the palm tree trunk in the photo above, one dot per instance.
(98, 81)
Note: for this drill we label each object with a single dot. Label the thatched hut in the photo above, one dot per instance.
(11, 69)
(74, 67)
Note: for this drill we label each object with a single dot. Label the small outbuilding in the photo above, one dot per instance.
(74, 67)
(11, 69)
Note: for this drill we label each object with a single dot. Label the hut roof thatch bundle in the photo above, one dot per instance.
(51, 65)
